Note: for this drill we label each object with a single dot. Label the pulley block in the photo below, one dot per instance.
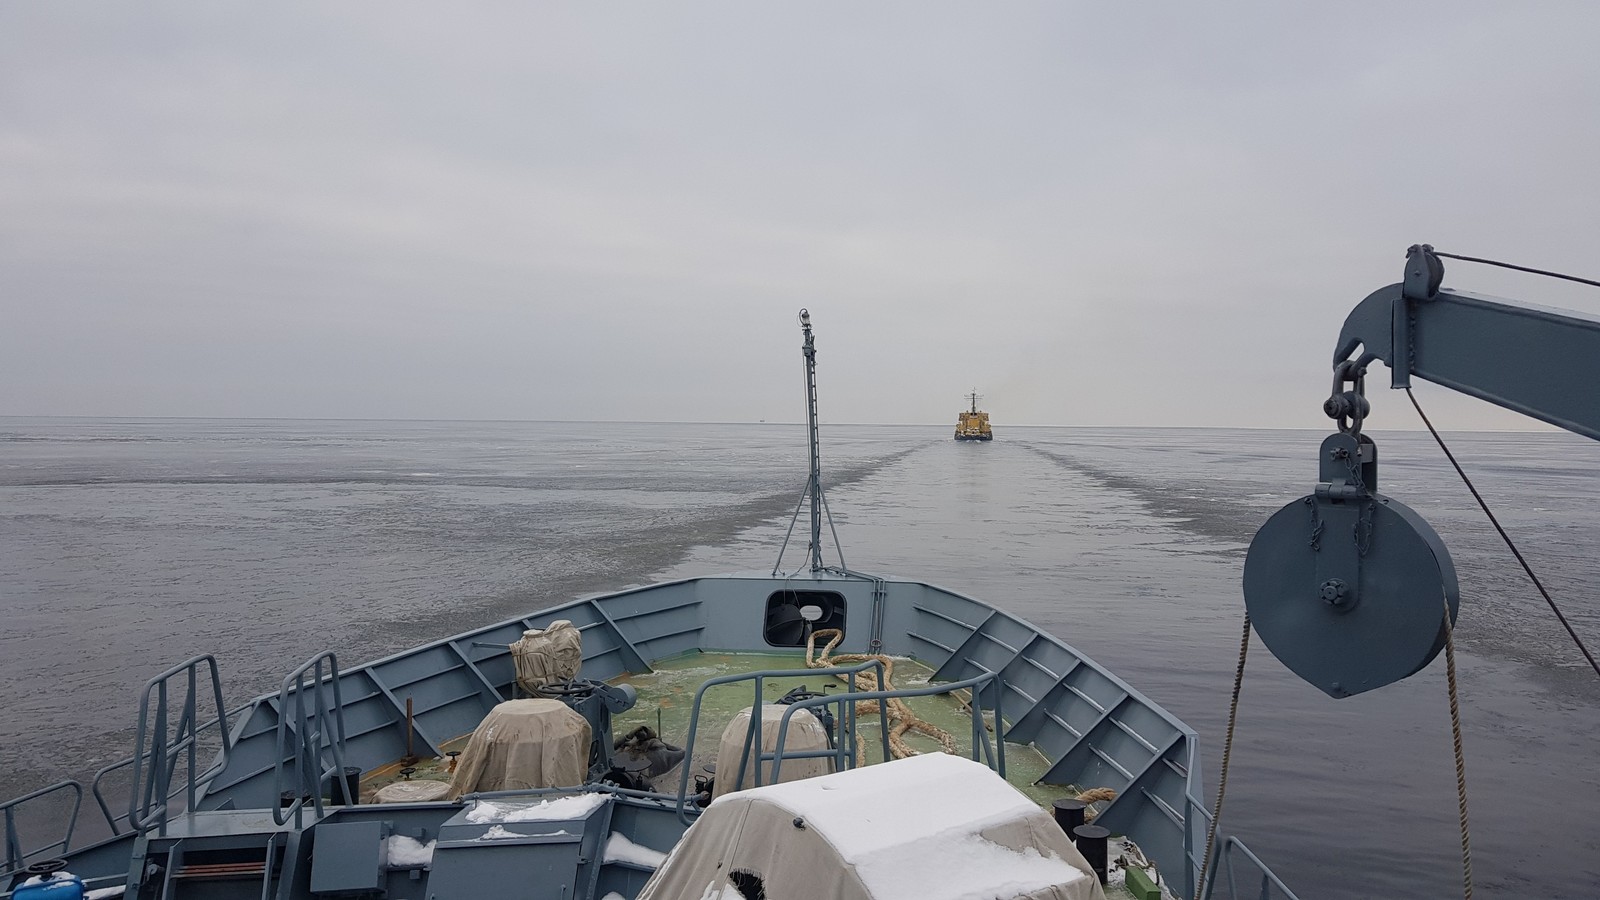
(1347, 587)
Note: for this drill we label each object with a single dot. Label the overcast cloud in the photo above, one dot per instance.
(1095, 214)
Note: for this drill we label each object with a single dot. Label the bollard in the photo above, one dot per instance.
(352, 785)
(1069, 815)
(1092, 844)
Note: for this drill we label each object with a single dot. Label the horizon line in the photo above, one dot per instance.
(1542, 428)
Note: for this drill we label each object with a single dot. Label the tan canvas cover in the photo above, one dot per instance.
(546, 656)
(416, 791)
(805, 733)
(524, 744)
(934, 827)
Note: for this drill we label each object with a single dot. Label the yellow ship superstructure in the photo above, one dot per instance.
(973, 424)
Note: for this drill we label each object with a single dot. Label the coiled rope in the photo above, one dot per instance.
(901, 718)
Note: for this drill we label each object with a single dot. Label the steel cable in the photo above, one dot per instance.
(1506, 265)
(1582, 648)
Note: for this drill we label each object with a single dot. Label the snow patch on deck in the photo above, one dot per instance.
(555, 810)
(620, 849)
(409, 853)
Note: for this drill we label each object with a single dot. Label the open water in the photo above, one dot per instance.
(128, 545)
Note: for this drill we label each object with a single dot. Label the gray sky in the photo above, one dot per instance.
(1095, 214)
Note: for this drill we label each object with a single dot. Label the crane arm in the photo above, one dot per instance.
(1351, 589)
(1543, 363)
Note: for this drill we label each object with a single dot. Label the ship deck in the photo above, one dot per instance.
(1066, 722)
(666, 705)
(665, 701)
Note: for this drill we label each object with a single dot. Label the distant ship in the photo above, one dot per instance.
(973, 424)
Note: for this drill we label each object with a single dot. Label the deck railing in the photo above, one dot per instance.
(118, 823)
(1229, 856)
(161, 747)
(319, 728)
(1267, 887)
(16, 855)
(843, 751)
(992, 754)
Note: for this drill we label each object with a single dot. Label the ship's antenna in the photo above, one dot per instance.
(813, 490)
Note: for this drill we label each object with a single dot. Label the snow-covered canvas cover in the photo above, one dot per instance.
(524, 744)
(931, 827)
(805, 733)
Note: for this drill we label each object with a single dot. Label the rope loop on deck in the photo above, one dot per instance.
(901, 718)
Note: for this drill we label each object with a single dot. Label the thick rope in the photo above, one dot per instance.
(1450, 653)
(1096, 795)
(1461, 760)
(1227, 757)
(901, 718)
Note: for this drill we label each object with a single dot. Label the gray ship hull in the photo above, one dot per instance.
(1091, 728)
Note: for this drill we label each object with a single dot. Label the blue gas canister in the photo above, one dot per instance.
(49, 880)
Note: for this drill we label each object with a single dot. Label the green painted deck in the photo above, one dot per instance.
(666, 702)
(669, 691)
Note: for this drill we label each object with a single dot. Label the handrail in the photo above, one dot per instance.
(329, 727)
(113, 820)
(850, 673)
(844, 749)
(266, 866)
(591, 787)
(1268, 879)
(15, 855)
(1192, 854)
(1222, 857)
(996, 755)
(145, 811)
